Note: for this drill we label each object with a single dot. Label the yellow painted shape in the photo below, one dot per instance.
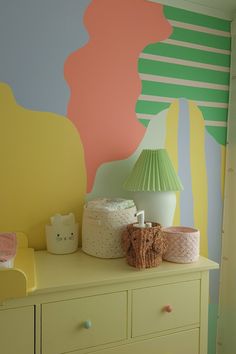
(199, 174)
(65, 321)
(22, 240)
(171, 144)
(42, 169)
(17, 331)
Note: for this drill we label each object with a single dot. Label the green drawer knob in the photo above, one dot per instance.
(87, 324)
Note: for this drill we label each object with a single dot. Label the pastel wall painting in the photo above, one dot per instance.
(127, 64)
(123, 67)
(42, 168)
(36, 37)
(194, 62)
(85, 85)
(103, 78)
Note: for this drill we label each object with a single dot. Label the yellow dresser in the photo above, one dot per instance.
(83, 304)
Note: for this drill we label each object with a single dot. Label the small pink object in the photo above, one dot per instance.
(182, 244)
(168, 308)
(7, 246)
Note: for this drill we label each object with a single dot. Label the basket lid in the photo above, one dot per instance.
(110, 204)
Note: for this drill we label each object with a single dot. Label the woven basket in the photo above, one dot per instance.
(182, 244)
(101, 231)
(143, 246)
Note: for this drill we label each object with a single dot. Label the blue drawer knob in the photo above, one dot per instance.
(87, 324)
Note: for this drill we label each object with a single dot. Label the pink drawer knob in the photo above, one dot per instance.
(168, 308)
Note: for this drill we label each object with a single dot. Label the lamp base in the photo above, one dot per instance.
(158, 206)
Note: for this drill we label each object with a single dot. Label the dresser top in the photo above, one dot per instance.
(79, 270)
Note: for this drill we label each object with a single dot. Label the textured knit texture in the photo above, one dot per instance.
(143, 246)
(183, 244)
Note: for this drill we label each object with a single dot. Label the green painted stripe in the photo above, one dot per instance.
(206, 39)
(150, 107)
(173, 13)
(178, 91)
(147, 66)
(219, 133)
(174, 51)
(218, 114)
(145, 122)
(209, 113)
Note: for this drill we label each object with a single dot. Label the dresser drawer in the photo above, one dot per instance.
(186, 342)
(64, 323)
(17, 330)
(165, 307)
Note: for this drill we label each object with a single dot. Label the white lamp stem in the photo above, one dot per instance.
(158, 206)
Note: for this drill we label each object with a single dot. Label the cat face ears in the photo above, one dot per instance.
(59, 220)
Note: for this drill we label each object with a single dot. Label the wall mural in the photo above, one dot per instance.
(86, 85)
(42, 168)
(103, 78)
(192, 63)
(36, 38)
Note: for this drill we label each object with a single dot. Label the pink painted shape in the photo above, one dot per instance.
(104, 80)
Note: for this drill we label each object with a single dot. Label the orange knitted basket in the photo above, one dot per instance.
(143, 246)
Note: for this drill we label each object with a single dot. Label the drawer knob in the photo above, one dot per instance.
(168, 308)
(87, 324)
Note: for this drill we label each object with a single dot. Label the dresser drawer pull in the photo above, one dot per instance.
(167, 308)
(87, 324)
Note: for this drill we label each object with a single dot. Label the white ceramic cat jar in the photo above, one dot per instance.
(62, 234)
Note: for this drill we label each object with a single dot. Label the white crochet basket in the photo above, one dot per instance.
(102, 229)
(182, 244)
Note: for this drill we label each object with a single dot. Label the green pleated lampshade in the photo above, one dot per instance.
(154, 172)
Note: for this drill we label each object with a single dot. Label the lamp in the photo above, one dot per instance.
(154, 182)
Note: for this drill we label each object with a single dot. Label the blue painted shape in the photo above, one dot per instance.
(36, 37)
(215, 210)
(184, 169)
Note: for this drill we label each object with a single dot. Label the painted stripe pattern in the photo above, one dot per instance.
(199, 28)
(171, 99)
(197, 46)
(171, 144)
(194, 63)
(184, 171)
(173, 81)
(207, 123)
